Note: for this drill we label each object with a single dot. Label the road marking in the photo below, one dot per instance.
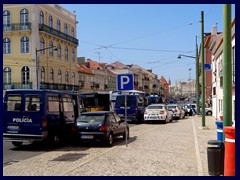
(199, 162)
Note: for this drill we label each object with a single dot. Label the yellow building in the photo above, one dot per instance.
(39, 47)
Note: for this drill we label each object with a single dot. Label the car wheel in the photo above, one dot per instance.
(17, 143)
(110, 140)
(124, 135)
(209, 113)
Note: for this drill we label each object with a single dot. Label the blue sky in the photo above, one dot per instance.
(150, 35)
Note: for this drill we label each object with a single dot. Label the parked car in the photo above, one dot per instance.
(208, 110)
(158, 112)
(188, 109)
(101, 126)
(178, 112)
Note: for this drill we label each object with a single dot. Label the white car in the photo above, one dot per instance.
(158, 112)
(178, 112)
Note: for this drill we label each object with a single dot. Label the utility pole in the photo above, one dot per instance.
(197, 79)
(203, 72)
(227, 66)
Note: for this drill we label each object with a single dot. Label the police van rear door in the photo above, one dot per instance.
(22, 115)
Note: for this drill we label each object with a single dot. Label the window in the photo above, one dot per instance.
(51, 76)
(73, 55)
(53, 104)
(72, 32)
(66, 53)
(58, 25)
(32, 103)
(59, 51)
(65, 28)
(14, 103)
(233, 64)
(6, 46)
(25, 75)
(68, 108)
(59, 76)
(73, 78)
(42, 45)
(42, 74)
(24, 17)
(6, 20)
(24, 44)
(51, 49)
(67, 78)
(41, 18)
(7, 76)
(50, 21)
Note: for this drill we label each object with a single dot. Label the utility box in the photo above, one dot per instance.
(215, 155)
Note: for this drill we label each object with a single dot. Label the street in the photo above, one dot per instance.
(173, 149)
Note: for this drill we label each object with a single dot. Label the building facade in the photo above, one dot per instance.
(39, 47)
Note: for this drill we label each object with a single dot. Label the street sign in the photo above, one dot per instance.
(124, 82)
(207, 67)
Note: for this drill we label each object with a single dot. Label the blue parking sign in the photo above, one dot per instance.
(125, 82)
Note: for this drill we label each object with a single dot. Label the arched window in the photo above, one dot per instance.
(66, 53)
(42, 74)
(65, 28)
(41, 21)
(24, 44)
(6, 46)
(25, 75)
(51, 49)
(7, 75)
(42, 45)
(72, 32)
(73, 78)
(73, 55)
(51, 75)
(59, 76)
(58, 25)
(67, 78)
(6, 19)
(24, 17)
(59, 51)
(50, 21)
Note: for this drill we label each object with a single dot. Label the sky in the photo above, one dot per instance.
(149, 35)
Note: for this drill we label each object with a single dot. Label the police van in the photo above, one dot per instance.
(38, 115)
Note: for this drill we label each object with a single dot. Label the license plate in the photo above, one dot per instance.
(87, 137)
(13, 127)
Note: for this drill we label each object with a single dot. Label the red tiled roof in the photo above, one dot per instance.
(93, 65)
(83, 69)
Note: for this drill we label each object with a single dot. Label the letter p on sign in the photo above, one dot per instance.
(125, 82)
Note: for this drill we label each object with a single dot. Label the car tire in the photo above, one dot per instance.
(124, 135)
(109, 140)
(17, 143)
(209, 113)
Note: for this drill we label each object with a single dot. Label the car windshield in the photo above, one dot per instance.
(155, 107)
(90, 118)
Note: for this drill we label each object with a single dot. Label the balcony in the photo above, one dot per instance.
(17, 86)
(61, 87)
(47, 29)
(17, 27)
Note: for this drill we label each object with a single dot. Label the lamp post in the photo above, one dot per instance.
(37, 62)
(197, 76)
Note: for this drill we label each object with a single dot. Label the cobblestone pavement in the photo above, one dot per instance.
(174, 149)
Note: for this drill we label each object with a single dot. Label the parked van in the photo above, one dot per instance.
(135, 106)
(37, 115)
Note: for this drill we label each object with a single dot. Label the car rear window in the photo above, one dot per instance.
(155, 107)
(91, 118)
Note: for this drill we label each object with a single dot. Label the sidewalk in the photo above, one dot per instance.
(173, 149)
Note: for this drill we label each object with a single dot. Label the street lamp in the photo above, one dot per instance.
(197, 76)
(37, 62)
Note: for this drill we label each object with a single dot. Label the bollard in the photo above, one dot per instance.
(229, 161)
(219, 130)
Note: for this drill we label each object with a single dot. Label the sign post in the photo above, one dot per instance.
(125, 82)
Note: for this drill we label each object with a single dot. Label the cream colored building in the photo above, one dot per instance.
(27, 30)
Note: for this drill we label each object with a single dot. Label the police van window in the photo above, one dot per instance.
(32, 103)
(68, 108)
(140, 100)
(53, 104)
(14, 103)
